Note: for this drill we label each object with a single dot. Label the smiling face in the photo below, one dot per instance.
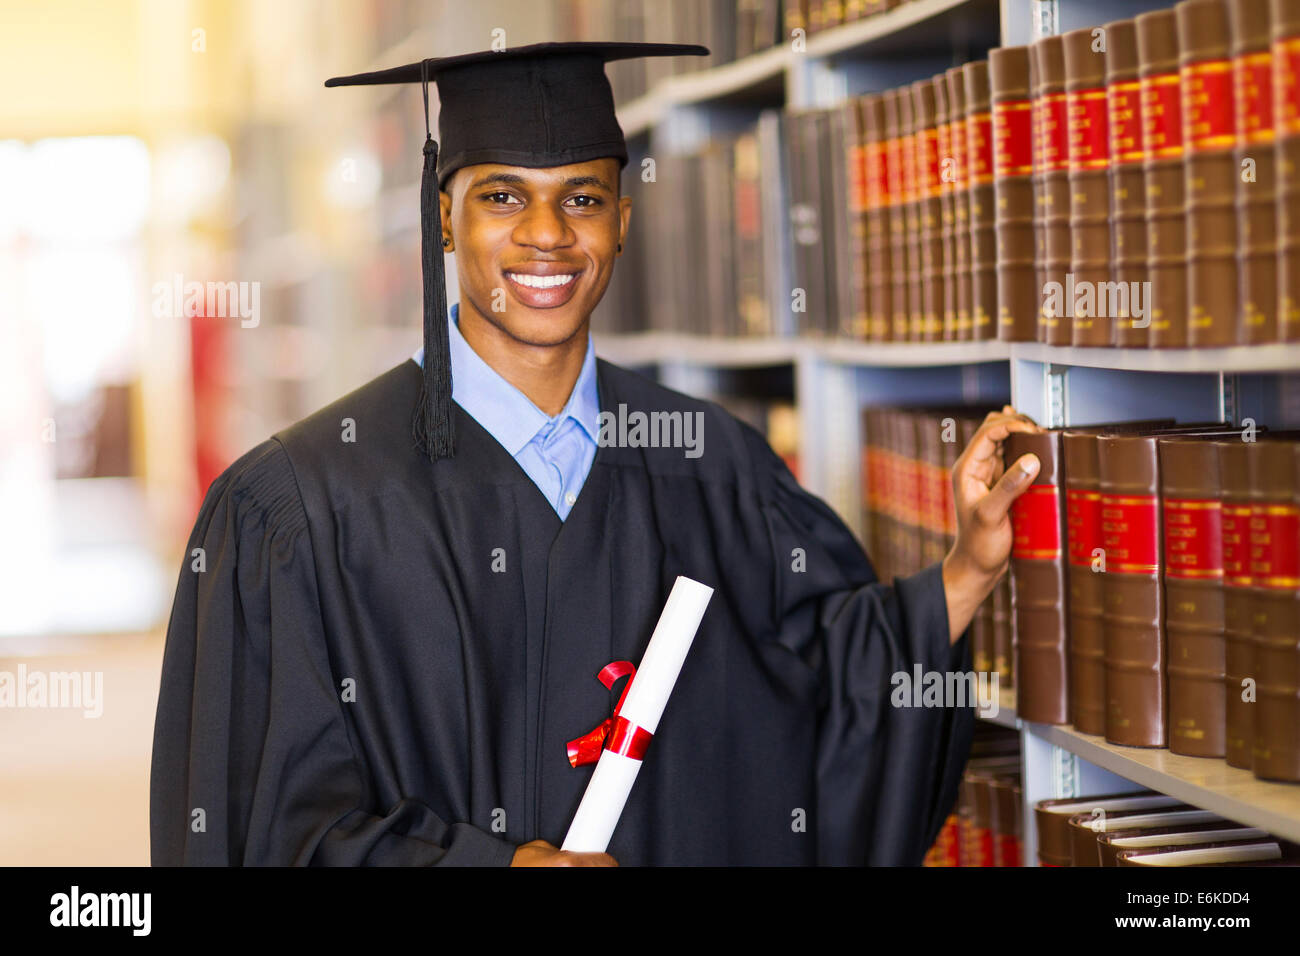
(539, 242)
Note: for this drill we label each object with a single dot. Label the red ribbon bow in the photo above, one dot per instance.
(614, 732)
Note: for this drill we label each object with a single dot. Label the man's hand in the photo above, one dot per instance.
(541, 853)
(984, 491)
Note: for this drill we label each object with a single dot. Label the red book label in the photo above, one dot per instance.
(1083, 523)
(1035, 524)
(943, 140)
(1193, 538)
(877, 176)
(1012, 152)
(1089, 142)
(979, 148)
(1252, 90)
(1053, 133)
(1162, 117)
(957, 143)
(1124, 121)
(1006, 850)
(894, 170)
(927, 163)
(980, 847)
(1286, 86)
(907, 151)
(1236, 546)
(1208, 122)
(1275, 546)
(1130, 533)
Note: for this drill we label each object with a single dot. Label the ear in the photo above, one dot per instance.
(444, 202)
(624, 216)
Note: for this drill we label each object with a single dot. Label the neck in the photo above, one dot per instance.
(545, 373)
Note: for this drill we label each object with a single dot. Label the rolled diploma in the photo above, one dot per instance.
(611, 782)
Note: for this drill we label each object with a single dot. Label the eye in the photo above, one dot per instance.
(500, 197)
(586, 202)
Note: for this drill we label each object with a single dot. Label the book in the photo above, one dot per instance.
(1036, 102)
(1037, 582)
(1191, 501)
(1013, 192)
(1274, 468)
(897, 147)
(1210, 171)
(1286, 119)
(1086, 827)
(945, 292)
(911, 130)
(959, 196)
(983, 231)
(1054, 160)
(1239, 648)
(1085, 89)
(879, 265)
(1052, 818)
(1127, 186)
(1086, 632)
(1162, 166)
(1234, 854)
(928, 211)
(1256, 182)
(1173, 836)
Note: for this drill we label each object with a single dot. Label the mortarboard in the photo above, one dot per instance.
(548, 104)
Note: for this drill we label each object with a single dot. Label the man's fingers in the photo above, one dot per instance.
(993, 507)
(588, 859)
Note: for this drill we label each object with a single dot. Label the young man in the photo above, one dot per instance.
(395, 637)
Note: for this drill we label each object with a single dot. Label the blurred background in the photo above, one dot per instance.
(149, 148)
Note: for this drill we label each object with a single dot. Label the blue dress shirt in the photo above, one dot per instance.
(555, 452)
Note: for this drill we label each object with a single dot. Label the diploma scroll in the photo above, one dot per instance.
(611, 782)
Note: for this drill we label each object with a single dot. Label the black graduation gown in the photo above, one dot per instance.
(333, 564)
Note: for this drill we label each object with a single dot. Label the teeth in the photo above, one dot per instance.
(540, 282)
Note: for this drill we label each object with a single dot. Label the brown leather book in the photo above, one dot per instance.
(1054, 192)
(898, 148)
(1285, 15)
(959, 198)
(930, 454)
(1085, 89)
(1191, 499)
(1239, 647)
(1274, 465)
(1086, 827)
(946, 296)
(976, 807)
(1127, 187)
(1252, 71)
(1210, 171)
(928, 211)
(1038, 588)
(1162, 165)
(879, 288)
(1109, 845)
(1052, 818)
(1232, 854)
(1003, 655)
(1008, 819)
(1014, 192)
(983, 206)
(853, 306)
(912, 125)
(1036, 179)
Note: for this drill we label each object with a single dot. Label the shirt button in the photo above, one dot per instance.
(570, 498)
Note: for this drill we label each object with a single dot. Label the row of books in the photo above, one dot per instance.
(813, 16)
(1149, 829)
(1155, 589)
(1131, 185)
(986, 826)
(909, 516)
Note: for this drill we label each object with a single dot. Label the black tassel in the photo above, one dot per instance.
(432, 425)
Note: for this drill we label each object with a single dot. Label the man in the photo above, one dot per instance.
(395, 638)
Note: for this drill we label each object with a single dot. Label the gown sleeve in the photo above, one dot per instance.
(252, 759)
(886, 776)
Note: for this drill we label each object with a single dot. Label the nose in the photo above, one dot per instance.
(543, 226)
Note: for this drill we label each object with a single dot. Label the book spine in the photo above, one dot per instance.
(1210, 171)
(1038, 587)
(1191, 496)
(1086, 634)
(1256, 186)
(1239, 648)
(1286, 126)
(913, 130)
(1275, 630)
(1054, 149)
(1134, 608)
(947, 306)
(1085, 86)
(1162, 166)
(1003, 635)
(928, 209)
(1013, 190)
(983, 232)
(878, 243)
(856, 162)
(959, 195)
(1127, 188)
(897, 148)
(1036, 161)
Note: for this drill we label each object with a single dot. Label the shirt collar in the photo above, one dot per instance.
(505, 412)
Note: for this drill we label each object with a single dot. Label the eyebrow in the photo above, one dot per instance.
(514, 179)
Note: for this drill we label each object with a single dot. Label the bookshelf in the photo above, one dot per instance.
(1057, 385)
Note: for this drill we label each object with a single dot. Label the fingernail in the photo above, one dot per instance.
(1030, 465)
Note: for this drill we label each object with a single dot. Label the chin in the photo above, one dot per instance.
(543, 329)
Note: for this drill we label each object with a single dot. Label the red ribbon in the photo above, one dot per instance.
(614, 732)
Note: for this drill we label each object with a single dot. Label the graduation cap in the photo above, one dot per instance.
(548, 104)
